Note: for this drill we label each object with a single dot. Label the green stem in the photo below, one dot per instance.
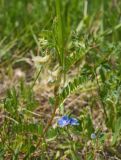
(36, 78)
(99, 92)
(50, 120)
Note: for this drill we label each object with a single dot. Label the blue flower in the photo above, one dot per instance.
(93, 136)
(74, 121)
(65, 120)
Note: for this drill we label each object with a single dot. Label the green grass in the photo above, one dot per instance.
(78, 42)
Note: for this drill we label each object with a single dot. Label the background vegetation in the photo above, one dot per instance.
(60, 57)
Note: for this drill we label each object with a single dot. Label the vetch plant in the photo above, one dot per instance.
(65, 54)
(78, 59)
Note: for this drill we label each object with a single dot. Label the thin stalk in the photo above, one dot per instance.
(50, 120)
(36, 78)
(99, 92)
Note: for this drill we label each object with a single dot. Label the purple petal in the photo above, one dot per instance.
(64, 121)
(74, 121)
